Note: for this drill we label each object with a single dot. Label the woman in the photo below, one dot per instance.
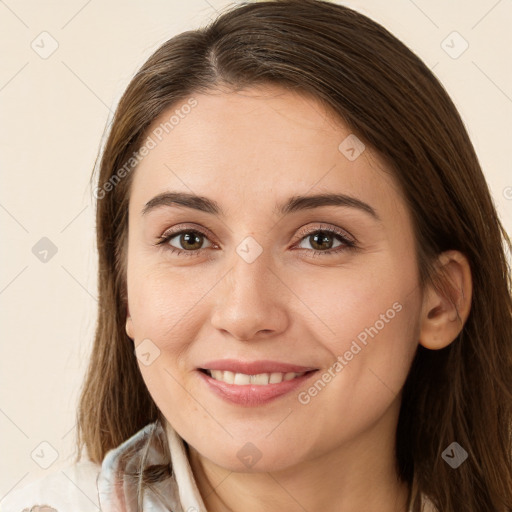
(304, 294)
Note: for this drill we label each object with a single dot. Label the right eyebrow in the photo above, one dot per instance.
(183, 199)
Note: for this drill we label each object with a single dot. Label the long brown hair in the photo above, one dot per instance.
(392, 101)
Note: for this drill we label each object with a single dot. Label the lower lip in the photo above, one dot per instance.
(252, 395)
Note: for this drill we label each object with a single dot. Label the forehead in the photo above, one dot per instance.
(255, 144)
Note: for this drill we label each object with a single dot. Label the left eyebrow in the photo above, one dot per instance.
(297, 203)
(293, 204)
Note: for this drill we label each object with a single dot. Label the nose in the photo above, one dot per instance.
(250, 302)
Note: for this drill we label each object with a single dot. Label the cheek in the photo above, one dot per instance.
(164, 302)
(164, 315)
(369, 324)
(361, 301)
(375, 342)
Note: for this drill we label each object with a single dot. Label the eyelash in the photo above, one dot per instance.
(346, 241)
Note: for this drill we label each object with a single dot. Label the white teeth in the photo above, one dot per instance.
(228, 377)
(241, 379)
(276, 378)
(216, 374)
(261, 379)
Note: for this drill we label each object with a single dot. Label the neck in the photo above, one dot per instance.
(359, 475)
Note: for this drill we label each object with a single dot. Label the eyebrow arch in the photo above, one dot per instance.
(293, 204)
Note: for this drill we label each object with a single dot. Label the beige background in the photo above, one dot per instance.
(54, 112)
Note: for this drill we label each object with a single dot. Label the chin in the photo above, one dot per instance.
(249, 457)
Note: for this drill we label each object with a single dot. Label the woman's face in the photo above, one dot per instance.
(282, 249)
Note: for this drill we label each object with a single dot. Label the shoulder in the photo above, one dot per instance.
(71, 488)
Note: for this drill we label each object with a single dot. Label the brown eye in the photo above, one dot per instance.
(188, 240)
(321, 240)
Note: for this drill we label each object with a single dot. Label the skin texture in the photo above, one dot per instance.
(248, 151)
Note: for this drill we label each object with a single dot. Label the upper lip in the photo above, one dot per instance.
(254, 367)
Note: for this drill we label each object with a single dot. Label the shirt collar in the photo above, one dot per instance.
(150, 471)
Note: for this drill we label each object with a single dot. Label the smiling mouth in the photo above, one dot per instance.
(260, 379)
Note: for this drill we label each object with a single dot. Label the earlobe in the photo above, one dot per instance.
(444, 311)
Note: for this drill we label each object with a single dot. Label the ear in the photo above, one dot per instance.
(444, 311)
(129, 324)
